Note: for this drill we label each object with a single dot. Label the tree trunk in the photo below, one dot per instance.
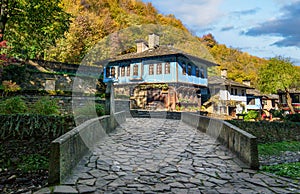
(289, 101)
(3, 17)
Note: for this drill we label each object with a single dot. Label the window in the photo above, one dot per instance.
(295, 98)
(159, 69)
(151, 69)
(231, 91)
(202, 73)
(251, 101)
(283, 99)
(167, 68)
(189, 69)
(50, 84)
(235, 92)
(243, 92)
(217, 90)
(107, 72)
(273, 103)
(135, 70)
(122, 71)
(128, 70)
(197, 72)
(183, 69)
(113, 72)
(264, 102)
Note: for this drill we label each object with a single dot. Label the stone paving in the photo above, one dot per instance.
(166, 156)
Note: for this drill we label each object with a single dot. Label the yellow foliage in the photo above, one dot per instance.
(93, 19)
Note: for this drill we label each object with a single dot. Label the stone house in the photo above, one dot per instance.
(227, 97)
(295, 95)
(263, 103)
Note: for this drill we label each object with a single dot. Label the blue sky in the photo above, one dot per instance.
(263, 28)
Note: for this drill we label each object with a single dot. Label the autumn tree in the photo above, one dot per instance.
(278, 74)
(93, 20)
(208, 40)
(30, 26)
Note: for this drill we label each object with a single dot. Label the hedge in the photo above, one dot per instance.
(270, 131)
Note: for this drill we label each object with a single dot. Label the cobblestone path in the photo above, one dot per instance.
(167, 156)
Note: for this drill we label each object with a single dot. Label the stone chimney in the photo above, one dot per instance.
(247, 82)
(153, 41)
(224, 73)
(141, 46)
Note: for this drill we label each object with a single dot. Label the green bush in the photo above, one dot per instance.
(267, 131)
(89, 109)
(45, 106)
(277, 113)
(252, 114)
(100, 109)
(14, 105)
(293, 117)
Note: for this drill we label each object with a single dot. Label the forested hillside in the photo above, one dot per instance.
(92, 20)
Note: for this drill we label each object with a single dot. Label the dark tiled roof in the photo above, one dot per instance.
(256, 92)
(217, 80)
(160, 51)
(292, 91)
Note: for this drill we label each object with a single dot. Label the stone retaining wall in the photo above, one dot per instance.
(122, 105)
(243, 144)
(68, 149)
(155, 114)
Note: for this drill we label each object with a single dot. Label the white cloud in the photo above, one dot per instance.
(193, 13)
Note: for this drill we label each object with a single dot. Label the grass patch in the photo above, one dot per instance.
(277, 148)
(291, 170)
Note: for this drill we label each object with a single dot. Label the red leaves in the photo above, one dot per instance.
(4, 59)
(3, 44)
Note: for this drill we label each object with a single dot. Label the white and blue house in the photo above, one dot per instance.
(158, 74)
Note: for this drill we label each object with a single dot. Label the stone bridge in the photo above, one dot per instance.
(156, 155)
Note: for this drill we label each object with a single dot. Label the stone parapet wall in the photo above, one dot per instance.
(69, 149)
(240, 142)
